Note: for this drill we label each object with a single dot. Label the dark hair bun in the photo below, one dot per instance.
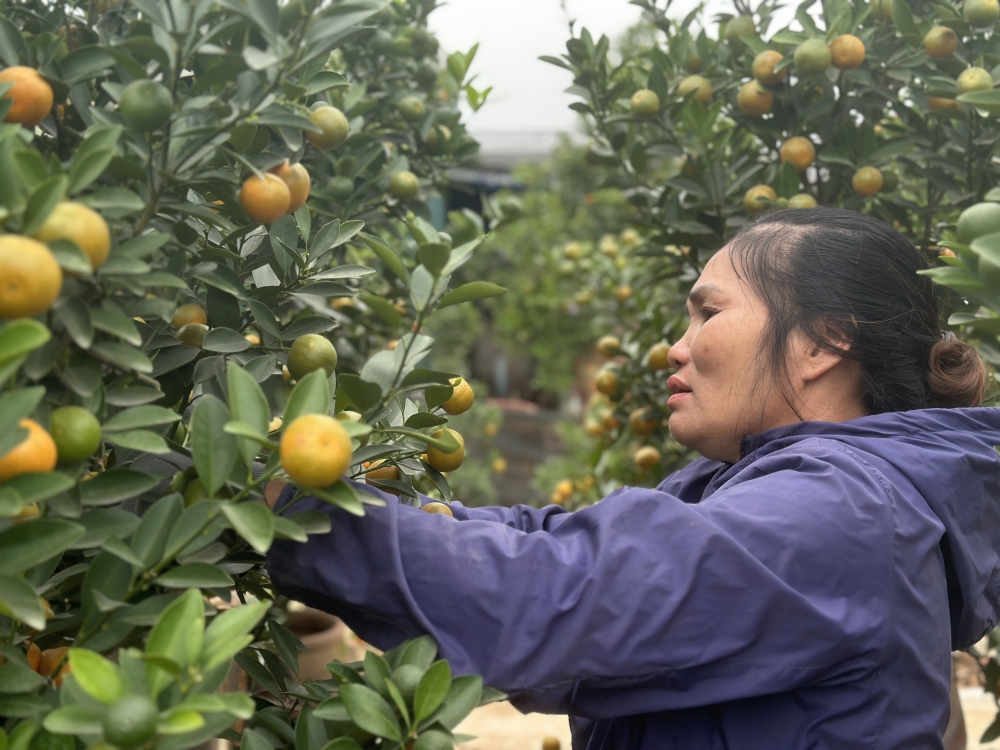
(955, 374)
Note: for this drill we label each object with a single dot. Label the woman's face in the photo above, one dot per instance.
(717, 394)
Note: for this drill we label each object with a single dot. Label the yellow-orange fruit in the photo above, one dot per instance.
(30, 277)
(462, 397)
(698, 86)
(659, 356)
(940, 102)
(755, 198)
(31, 94)
(34, 657)
(51, 659)
(83, 226)
(867, 181)
(848, 52)
(799, 151)
(297, 179)
(752, 101)
(641, 422)
(609, 346)
(265, 200)
(646, 458)
(37, 453)
(941, 42)
(315, 450)
(763, 68)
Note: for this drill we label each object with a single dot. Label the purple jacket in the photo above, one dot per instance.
(806, 597)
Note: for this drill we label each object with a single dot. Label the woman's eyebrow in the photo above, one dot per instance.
(701, 291)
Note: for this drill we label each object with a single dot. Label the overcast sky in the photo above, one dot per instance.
(527, 93)
(528, 106)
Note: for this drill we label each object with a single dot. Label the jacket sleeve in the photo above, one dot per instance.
(521, 517)
(639, 603)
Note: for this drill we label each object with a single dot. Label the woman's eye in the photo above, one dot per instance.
(707, 312)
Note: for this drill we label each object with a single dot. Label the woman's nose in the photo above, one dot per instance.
(680, 352)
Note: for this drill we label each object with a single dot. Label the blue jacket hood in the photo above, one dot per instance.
(948, 456)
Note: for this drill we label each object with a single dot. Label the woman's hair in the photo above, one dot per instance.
(849, 282)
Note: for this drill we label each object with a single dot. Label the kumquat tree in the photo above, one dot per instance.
(216, 266)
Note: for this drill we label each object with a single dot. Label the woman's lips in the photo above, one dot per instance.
(679, 389)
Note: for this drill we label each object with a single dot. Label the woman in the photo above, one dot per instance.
(801, 586)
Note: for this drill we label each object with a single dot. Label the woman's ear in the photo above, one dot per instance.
(811, 360)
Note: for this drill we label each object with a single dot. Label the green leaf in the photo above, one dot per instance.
(226, 632)
(34, 488)
(150, 538)
(15, 405)
(248, 660)
(195, 575)
(254, 740)
(376, 672)
(225, 341)
(101, 524)
(43, 199)
(419, 652)
(16, 677)
(462, 698)
(143, 245)
(434, 256)
(312, 521)
(236, 704)
(180, 721)
(19, 600)
(178, 635)
(99, 678)
(370, 711)
(382, 307)
(88, 167)
(287, 645)
(285, 529)
(252, 521)
(445, 444)
(332, 709)
(112, 487)
(27, 545)
(431, 691)
(140, 416)
(85, 62)
(992, 732)
(21, 337)
(243, 430)
(343, 496)
(344, 272)
(341, 743)
(387, 255)
(491, 695)
(23, 707)
(213, 449)
(248, 405)
(324, 80)
(145, 441)
(363, 395)
(471, 291)
(114, 199)
(73, 314)
(12, 47)
(310, 396)
(76, 718)
(264, 318)
(110, 319)
(122, 355)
